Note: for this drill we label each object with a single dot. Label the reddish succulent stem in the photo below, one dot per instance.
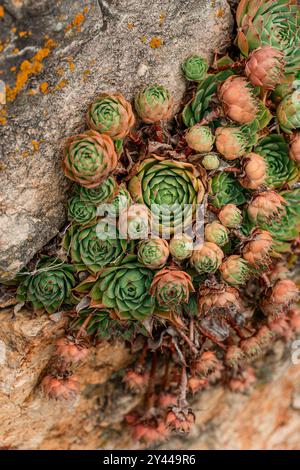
(182, 403)
(192, 330)
(188, 341)
(84, 324)
(150, 392)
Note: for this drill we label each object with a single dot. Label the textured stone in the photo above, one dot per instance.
(100, 45)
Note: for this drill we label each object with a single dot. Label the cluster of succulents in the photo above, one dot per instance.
(200, 304)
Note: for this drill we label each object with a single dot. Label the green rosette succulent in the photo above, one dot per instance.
(274, 23)
(288, 112)
(195, 68)
(286, 229)
(153, 253)
(181, 247)
(200, 138)
(236, 271)
(280, 169)
(122, 200)
(126, 290)
(80, 212)
(111, 114)
(170, 189)
(194, 111)
(211, 161)
(154, 103)
(102, 193)
(94, 246)
(49, 287)
(225, 189)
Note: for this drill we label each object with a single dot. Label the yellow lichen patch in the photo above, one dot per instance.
(60, 71)
(35, 145)
(155, 42)
(16, 50)
(44, 87)
(130, 25)
(1, 11)
(162, 18)
(77, 21)
(3, 119)
(23, 34)
(25, 154)
(143, 39)
(29, 68)
(1, 46)
(71, 64)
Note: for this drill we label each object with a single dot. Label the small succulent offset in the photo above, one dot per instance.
(175, 223)
(195, 68)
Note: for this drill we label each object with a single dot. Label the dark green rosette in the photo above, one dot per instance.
(102, 193)
(225, 189)
(49, 287)
(80, 212)
(280, 169)
(126, 290)
(94, 246)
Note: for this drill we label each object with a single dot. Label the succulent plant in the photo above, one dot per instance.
(80, 212)
(238, 99)
(181, 247)
(111, 114)
(288, 112)
(236, 270)
(266, 206)
(94, 246)
(122, 201)
(294, 150)
(169, 189)
(49, 287)
(285, 229)
(257, 251)
(104, 192)
(89, 158)
(265, 67)
(232, 142)
(154, 103)
(211, 161)
(200, 138)
(153, 253)
(126, 290)
(270, 22)
(216, 233)
(225, 189)
(195, 68)
(230, 216)
(280, 297)
(207, 258)
(280, 169)
(171, 287)
(195, 110)
(134, 222)
(221, 297)
(254, 173)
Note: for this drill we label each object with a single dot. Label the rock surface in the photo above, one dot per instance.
(56, 57)
(268, 418)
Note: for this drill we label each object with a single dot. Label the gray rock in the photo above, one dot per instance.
(111, 50)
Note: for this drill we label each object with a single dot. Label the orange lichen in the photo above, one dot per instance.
(16, 50)
(1, 46)
(44, 87)
(3, 119)
(13, 68)
(1, 12)
(35, 144)
(155, 42)
(60, 71)
(23, 34)
(29, 68)
(130, 25)
(25, 154)
(220, 13)
(77, 21)
(71, 64)
(60, 85)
